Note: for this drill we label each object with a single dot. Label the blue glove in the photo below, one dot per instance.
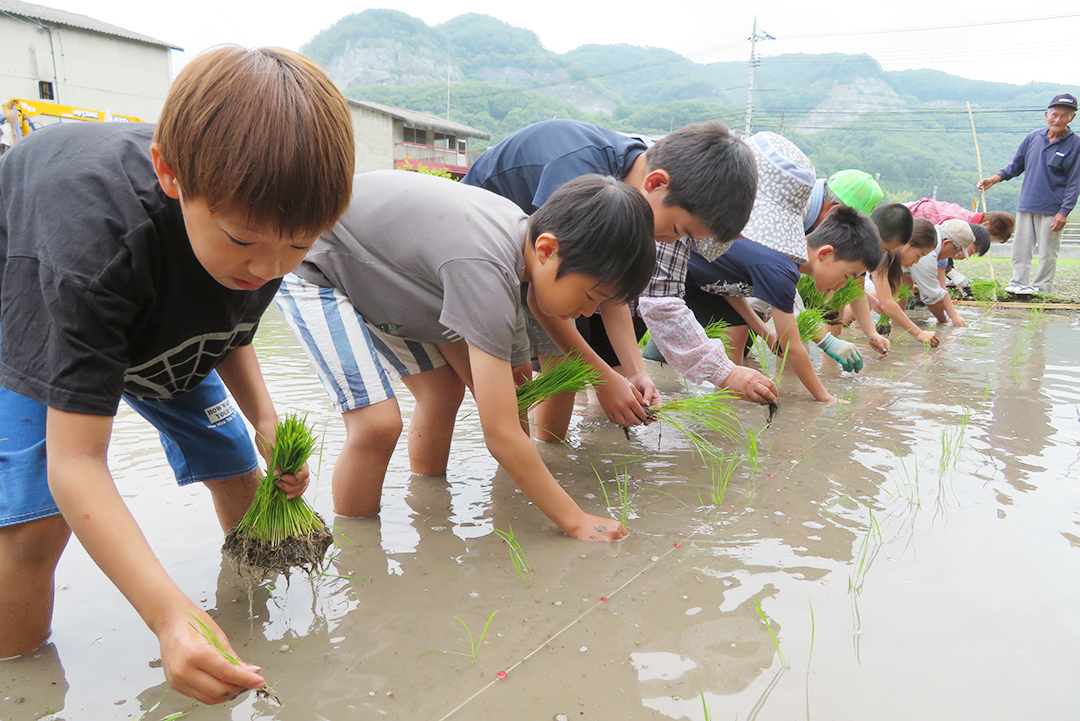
(841, 351)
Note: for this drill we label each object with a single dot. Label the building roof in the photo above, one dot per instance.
(74, 20)
(423, 121)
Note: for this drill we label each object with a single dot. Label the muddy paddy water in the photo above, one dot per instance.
(916, 553)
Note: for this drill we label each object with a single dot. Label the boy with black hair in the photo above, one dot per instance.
(699, 181)
(844, 245)
(133, 262)
(895, 223)
(376, 299)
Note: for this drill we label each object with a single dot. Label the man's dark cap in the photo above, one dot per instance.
(1064, 100)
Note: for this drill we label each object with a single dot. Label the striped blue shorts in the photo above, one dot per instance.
(356, 362)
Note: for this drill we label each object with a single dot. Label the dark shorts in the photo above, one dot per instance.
(708, 307)
(593, 331)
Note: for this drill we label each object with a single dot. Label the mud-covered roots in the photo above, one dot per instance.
(261, 559)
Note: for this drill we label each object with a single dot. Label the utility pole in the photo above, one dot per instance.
(448, 87)
(754, 61)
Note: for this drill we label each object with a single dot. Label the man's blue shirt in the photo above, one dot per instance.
(530, 165)
(1051, 173)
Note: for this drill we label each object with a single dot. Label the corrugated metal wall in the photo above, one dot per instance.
(95, 71)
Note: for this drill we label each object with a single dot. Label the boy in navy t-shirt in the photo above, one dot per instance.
(700, 183)
(844, 245)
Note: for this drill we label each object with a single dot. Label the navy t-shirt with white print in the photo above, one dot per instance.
(748, 269)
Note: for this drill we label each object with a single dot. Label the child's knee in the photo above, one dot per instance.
(379, 425)
(35, 546)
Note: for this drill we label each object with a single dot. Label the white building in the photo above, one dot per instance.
(72, 59)
(389, 137)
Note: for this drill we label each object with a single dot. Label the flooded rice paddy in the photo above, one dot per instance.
(915, 554)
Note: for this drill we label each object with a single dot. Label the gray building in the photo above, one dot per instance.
(72, 59)
(389, 137)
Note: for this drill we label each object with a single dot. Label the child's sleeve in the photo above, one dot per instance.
(925, 275)
(481, 302)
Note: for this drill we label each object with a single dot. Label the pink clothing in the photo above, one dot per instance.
(683, 342)
(937, 211)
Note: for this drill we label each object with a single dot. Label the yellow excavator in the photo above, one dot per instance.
(22, 117)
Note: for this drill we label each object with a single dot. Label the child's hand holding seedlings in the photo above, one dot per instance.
(750, 385)
(194, 667)
(293, 485)
(646, 387)
(620, 399)
(928, 336)
(879, 343)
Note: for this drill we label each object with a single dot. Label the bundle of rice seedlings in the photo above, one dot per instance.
(829, 303)
(984, 290)
(563, 375)
(884, 325)
(277, 533)
(809, 322)
(698, 417)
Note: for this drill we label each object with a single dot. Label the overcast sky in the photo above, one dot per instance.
(1004, 40)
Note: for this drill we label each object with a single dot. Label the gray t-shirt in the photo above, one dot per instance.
(427, 259)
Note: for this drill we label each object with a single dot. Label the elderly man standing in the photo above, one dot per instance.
(1050, 159)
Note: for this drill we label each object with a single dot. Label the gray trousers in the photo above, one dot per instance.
(1033, 231)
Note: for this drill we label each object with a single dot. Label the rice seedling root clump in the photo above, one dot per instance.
(254, 556)
(278, 534)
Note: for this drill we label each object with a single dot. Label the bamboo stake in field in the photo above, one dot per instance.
(978, 160)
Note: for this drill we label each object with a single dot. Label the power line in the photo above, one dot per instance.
(956, 26)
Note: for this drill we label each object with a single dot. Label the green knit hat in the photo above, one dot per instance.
(856, 189)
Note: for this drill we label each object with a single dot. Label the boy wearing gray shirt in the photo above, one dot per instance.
(421, 280)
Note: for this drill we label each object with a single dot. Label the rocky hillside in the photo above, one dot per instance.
(910, 127)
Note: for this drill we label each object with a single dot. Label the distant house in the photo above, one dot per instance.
(72, 59)
(389, 137)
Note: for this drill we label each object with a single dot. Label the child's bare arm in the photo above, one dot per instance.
(787, 330)
(241, 373)
(753, 322)
(86, 495)
(493, 388)
(860, 307)
(896, 314)
(619, 324)
(620, 400)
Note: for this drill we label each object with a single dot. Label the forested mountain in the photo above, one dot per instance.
(910, 127)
